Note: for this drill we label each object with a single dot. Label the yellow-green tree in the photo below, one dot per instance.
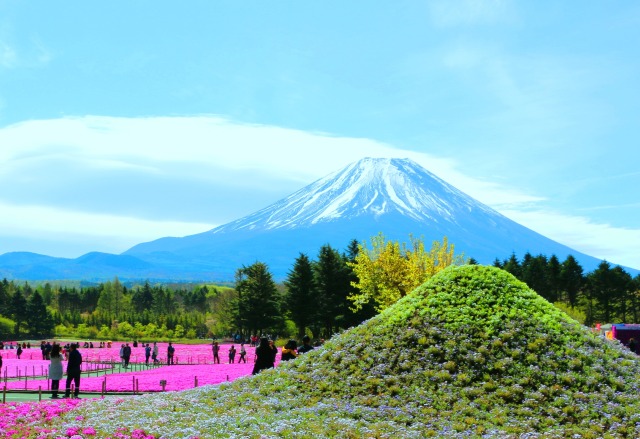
(390, 270)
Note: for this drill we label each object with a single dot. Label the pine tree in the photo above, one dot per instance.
(553, 275)
(301, 298)
(39, 320)
(143, 298)
(571, 279)
(19, 312)
(258, 307)
(5, 298)
(333, 286)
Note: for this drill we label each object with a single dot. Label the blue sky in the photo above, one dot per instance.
(122, 122)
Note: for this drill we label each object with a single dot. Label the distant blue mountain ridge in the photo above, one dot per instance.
(394, 196)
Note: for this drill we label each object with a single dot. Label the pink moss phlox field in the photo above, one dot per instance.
(30, 420)
(176, 377)
(12, 368)
(32, 364)
(185, 353)
(14, 416)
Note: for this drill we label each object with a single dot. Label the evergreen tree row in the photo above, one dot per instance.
(314, 299)
(607, 294)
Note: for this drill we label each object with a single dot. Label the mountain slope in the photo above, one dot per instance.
(471, 353)
(394, 196)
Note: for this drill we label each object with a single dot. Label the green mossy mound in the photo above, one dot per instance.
(471, 353)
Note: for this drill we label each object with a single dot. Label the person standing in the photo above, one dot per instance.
(73, 371)
(147, 354)
(126, 355)
(154, 355)
(170, 351)
(216, 352)
(264, 356)
(633, 345)
(243, 354)
(274, 352)
(19, 351)
(55, 369)
(232, 354)
(121, 353)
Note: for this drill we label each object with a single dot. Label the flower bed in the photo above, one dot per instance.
(194, 368)
(176, 377)
(15, 416)
(184, 353)
(12, 368)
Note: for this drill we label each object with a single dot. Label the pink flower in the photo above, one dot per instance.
(89, 431)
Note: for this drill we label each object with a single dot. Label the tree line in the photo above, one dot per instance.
(319, 297)
(607, 294)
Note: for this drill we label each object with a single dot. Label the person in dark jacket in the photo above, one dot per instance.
(264, 356)
(126, 355)
(306, 345)
(633, 345)
(170, 352)
(73, 371)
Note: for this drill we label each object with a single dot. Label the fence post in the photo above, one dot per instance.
(195, 381)
(39, 393)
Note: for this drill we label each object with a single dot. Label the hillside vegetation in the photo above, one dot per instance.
(471, 353)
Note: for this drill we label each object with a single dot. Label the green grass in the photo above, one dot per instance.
(471, 353)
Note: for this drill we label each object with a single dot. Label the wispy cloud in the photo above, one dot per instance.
(68, 233)
(114, 182)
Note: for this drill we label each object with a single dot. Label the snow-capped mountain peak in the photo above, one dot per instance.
(371, 186)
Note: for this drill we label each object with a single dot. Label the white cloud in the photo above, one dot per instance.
(206, 140)
(216, 156)
(70, 233)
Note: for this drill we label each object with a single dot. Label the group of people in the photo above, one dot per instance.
(74, 362)
(215, 347)
(10, 345)
(266, 352)
(150, 353)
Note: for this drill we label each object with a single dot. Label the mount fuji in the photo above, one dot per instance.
(394, 196)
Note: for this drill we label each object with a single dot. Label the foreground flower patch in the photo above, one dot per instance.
(31, 419)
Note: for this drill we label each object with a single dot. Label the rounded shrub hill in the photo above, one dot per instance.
(471, 353)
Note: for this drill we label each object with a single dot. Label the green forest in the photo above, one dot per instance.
(316, 298)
